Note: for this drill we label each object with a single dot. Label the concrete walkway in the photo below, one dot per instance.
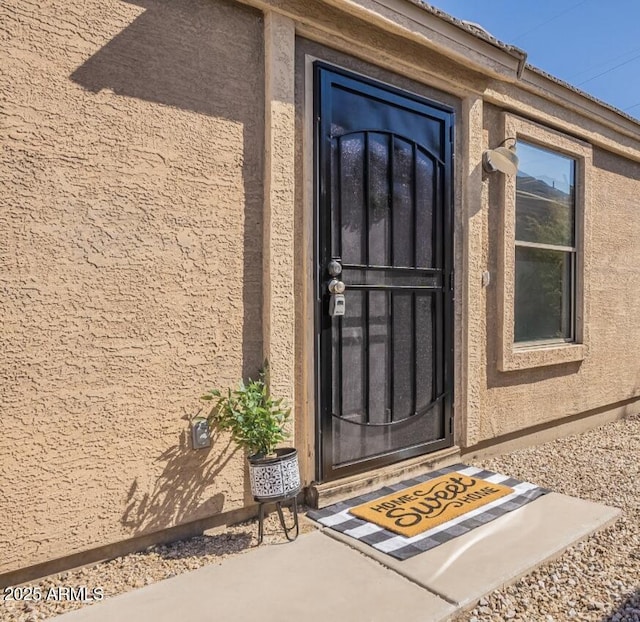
(327, 576)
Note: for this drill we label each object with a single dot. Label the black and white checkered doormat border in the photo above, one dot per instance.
(337, 516)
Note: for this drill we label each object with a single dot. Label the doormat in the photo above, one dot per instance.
(427, 505)
(427, 500)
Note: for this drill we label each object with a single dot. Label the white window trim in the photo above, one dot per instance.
(512, 356)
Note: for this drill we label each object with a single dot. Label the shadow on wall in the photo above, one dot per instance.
(184, 54)
(177, 494)
(205, 57)
(619, 166)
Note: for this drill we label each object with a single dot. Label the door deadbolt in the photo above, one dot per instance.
(334, 268)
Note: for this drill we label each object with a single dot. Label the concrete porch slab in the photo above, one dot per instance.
(319, 578)
(314, 579)
(467, 568)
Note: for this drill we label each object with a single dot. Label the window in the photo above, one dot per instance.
(545, 249)
(544, 264)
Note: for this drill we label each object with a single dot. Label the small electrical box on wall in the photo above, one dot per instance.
(200, 437)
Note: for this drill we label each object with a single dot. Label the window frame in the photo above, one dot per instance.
(527, 354)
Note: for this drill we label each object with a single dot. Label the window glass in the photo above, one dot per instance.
(543, 294)
(545, 217)
(543, 257)
(545, 196)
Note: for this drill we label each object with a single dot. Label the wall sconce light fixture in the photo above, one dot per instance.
(503, 159)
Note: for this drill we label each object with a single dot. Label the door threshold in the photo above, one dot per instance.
(321, 495)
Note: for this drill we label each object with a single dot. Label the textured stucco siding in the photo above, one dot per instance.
(613, 364)
(132, 141)
(490, 404)
(609, 374)
(145, 255)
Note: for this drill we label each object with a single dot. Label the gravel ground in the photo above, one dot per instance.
(595, 580)
(136, 570)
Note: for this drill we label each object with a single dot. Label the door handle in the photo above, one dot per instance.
(336, 286)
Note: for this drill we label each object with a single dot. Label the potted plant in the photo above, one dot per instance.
(256, 422)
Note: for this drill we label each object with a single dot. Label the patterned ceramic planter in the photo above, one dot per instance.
(275, 478)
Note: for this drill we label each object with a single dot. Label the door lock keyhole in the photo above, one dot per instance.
(334, 267)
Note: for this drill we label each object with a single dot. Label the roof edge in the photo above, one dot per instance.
(479, 32)
(471, 28)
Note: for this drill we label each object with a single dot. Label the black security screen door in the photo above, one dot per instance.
(384, 233)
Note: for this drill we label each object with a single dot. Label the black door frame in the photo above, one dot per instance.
(324, 468)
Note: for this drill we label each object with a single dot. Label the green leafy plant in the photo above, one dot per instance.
(255, 420)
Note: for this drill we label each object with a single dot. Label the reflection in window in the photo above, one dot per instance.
(545, 245)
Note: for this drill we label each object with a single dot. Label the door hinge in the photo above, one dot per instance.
(451, 281)
(451, 133)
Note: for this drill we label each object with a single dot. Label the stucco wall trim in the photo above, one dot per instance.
(415, 22)
(471, 218)
(511, 356)
(334, 26)
(412, 22)
(369, 52)
(486, 57)
(551, 108)
(611, 129)
(570, 96)
(278, 259)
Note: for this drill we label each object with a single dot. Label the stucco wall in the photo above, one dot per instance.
(609, 374)
(131, 236)
(132, 259)
(491, 404)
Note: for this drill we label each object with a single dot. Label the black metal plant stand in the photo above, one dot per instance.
(287, 529)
